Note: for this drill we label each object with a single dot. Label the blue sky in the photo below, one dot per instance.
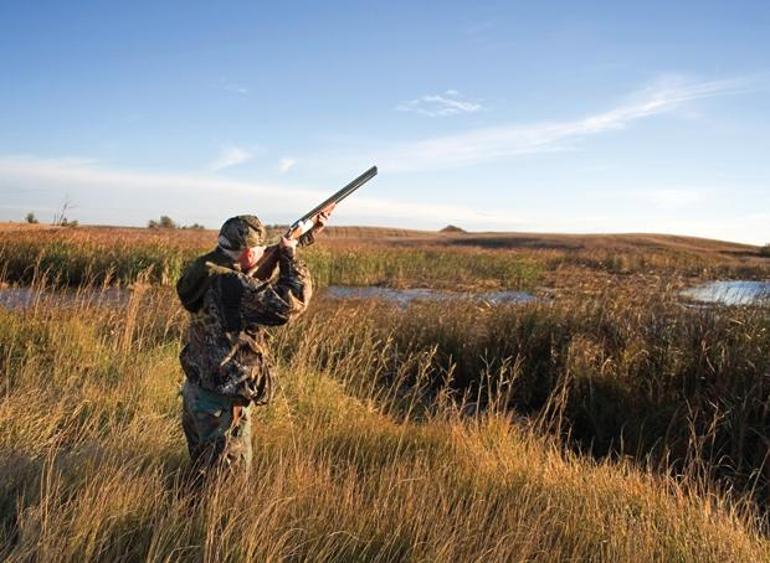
(529, 116)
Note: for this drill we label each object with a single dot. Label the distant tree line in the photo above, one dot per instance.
(166, 222)
(59, 220)
(765, 250)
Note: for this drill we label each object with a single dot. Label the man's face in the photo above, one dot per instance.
(250, 257)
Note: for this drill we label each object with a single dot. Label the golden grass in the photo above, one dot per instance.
(397, 435)
(365, 256)
(346, 469)
(75, 257)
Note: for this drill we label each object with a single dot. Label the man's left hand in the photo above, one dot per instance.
(323, 218)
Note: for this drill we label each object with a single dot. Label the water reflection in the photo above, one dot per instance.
(731, 293)
(719, 292)
(406, 296)
(19, 298)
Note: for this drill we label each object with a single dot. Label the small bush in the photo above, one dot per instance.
(31, 219)
(165, 222)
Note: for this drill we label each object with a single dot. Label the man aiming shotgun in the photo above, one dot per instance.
(232, 301)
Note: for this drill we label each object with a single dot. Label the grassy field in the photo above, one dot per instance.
(102, 256)
(397, 258)
(609, 423)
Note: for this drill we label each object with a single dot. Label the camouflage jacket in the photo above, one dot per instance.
(225, 350)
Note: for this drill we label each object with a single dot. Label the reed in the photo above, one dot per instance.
(606, 421)
(350, 256)
(370, 453)
(684, 390)
(77, 259)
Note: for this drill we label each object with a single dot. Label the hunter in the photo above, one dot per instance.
(225, 356)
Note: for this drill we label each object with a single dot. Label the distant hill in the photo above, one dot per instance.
(446, 237)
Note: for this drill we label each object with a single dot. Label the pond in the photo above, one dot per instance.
(406, 296)
(713, 293)
(740, 292)
(18, 298)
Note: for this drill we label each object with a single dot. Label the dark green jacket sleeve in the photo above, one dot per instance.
(252, 302)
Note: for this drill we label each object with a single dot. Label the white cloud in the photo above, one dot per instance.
(230, 156)
(285, 164)
(30, 171)
(448, 103)
(669, 198)
(117, 196)
(418, 215)
(148, 194)
(672, 198)
(490, 144)
(748, 228)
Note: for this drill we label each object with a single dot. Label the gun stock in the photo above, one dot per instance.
(266, 265)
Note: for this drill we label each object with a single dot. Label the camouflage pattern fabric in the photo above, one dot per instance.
(226, 353)
(217, 428)
(241, 232)
(195, 281)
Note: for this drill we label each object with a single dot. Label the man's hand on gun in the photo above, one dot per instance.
(323, 218)
(314, 221)
(319, 224)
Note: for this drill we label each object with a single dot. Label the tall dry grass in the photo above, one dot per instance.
(361, 458)
(78, 258)
(85, 256)
(686, 390)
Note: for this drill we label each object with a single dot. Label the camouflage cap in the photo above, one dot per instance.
(241, 232)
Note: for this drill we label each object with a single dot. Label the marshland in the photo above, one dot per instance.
(610, 417)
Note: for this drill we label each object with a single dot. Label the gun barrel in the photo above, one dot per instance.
(340, 195)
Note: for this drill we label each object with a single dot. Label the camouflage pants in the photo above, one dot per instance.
(217, 428)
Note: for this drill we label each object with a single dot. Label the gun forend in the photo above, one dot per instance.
(337, 197)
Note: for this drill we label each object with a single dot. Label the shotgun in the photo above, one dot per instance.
(266, 265)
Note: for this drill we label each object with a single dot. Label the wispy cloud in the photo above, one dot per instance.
(285, 164)
(113, 195)
(236, 88)
(230, 156)
(661, 198)
(201, 197)
(671, 198)
(450, 102)
(490, 144)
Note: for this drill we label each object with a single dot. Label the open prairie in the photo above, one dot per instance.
(607, 418)
(552, 353)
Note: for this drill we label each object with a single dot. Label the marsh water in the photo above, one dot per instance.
(740, 292)
(25, 297)
(736, 292)
(407, 296)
